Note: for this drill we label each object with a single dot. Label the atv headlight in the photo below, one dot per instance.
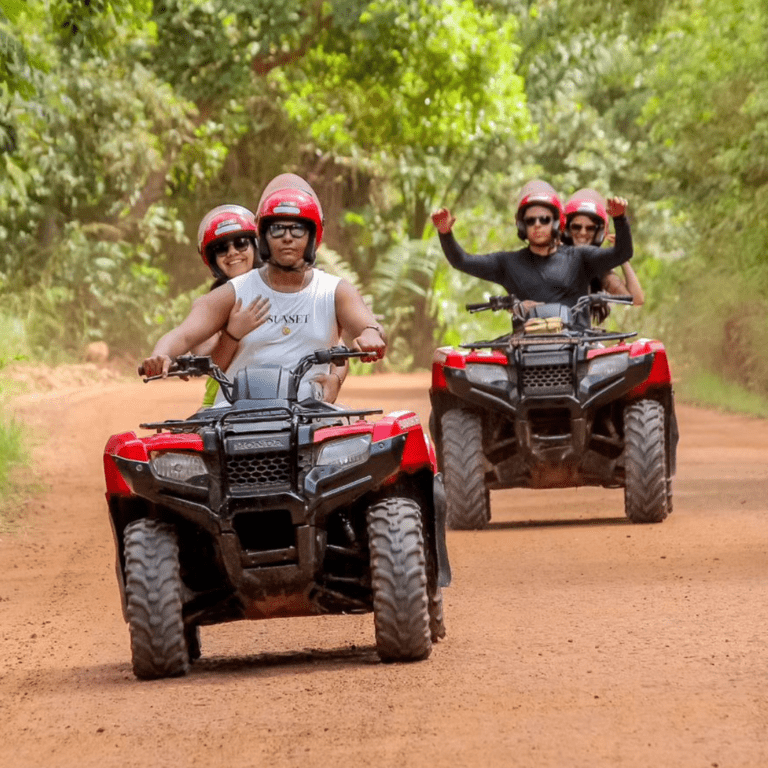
(484, 373)
(180, 467)
(343, 453)
(608, 365)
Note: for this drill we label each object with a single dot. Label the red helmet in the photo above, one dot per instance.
(287, 181)
(223, 221)
(538, 192)
(290, 197)
(587, 202)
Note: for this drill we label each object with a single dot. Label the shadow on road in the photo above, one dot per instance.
(291, 662)
(581, 522)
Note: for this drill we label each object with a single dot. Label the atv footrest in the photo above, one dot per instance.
(270, 557)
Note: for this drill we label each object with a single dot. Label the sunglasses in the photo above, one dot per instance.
(585, 227)
(240, 243)
(529, 221)
(278, 230)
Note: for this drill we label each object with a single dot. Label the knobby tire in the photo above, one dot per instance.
(153, 596)
(399, 580)
(647, 489)
(467, 497)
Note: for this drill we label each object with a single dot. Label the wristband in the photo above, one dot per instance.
(234, 338)
(333, 373)
(376, 328)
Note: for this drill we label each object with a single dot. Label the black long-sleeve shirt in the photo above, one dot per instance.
(563, 276)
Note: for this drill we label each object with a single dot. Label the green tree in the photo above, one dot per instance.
(93, 129)
(707, 118)
(422, 98)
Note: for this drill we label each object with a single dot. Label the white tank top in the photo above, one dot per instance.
(298, 324)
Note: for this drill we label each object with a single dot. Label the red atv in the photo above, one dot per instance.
(271, 507)
(557, 403)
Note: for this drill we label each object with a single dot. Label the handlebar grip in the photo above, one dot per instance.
(174, 368)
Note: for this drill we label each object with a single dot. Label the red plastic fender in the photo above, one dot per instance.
(329, 433)
(418, 451)
(660, 375)
(446, 357)
(125, 444)
(128, 446)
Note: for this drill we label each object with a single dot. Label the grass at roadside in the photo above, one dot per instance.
(711, 391)
(13, 456)
(14, 451)
(12, 448)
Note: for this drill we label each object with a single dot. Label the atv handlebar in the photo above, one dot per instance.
(607, 298)
(527, 315)
(336, 355)
(203, 365)
(495, 303)
(187, 366)
(511, 302)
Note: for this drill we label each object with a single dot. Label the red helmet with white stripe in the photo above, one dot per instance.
(224, 221)
(587, 202)
(538, 192)
(290, 197)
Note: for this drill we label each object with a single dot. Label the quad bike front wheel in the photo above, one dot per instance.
(399, 580)
(192, 636)
(647, 490)
(436, 617)
(153, 598)
(467, 496)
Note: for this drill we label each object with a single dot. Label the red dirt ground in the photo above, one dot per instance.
(574, 638)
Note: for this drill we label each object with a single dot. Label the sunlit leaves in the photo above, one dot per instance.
(415, 74)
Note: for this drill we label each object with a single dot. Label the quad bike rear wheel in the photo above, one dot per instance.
(399, 580)
(153, 598)
(467, 496)
(647, 490)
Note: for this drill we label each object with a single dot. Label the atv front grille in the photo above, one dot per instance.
(547, 379)
(263, 471)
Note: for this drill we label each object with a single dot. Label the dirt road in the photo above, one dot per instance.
(574, 638)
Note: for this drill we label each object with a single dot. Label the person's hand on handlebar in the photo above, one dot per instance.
(372, 341)
(157, 365)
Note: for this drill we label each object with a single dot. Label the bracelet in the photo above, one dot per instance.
(234, 338)
(376, 328)
(333, 373)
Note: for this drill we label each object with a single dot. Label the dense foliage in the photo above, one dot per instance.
(123, 121)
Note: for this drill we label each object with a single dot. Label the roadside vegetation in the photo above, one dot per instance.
(12, 455)
(712, 391)
(13, 447)
(123, 122)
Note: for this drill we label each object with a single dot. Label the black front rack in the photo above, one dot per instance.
(254, 415)
(590, 336)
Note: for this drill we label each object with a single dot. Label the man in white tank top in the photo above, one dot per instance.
(307, 308)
